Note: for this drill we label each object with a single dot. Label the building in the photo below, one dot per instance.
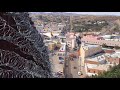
(97, 70)
(86, 51)
(51, 46)
(113, 58)
(100, 40)
(109, 51)
(90, 33)
(62, 39)
(46, 34)
(61, 26)
(89, 50)
(95, 61)
(96, 64)
(62, 51)
(71, 40)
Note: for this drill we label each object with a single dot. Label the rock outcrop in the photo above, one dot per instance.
(22, 51)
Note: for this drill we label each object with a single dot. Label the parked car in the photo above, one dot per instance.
(59, 73)
(74, 49)
(61, 62)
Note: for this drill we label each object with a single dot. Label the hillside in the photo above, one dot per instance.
(105, 24)
(82, 23)
(22, 51)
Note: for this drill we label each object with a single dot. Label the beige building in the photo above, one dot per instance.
(86, 51)
(51, 46)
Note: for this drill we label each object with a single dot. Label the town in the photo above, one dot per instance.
(76, 54)
(59, 45)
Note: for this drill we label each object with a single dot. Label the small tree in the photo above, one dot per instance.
(117, 47)
(62, 40)
(104, 45)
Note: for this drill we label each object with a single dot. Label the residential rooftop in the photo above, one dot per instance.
(114, 55)
(102, 67)
(91, 46)
(97, 57)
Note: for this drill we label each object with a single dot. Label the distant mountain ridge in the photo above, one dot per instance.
(66, 14)
(55, 13)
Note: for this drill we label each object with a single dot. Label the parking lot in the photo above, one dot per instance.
(57, 68)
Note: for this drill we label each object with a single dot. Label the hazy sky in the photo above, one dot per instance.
(92, 13)
(98, 13)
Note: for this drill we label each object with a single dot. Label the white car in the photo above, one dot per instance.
(79, 73)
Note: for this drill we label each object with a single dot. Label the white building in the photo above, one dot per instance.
(62, 50)
(71, 40)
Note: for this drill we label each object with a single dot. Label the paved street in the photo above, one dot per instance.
(72, 67)
(67, 69)
(56, 67)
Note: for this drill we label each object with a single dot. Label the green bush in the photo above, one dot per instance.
(117, 47)
(113, 73)
(104, 46)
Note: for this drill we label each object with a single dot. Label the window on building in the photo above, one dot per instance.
(88, 70)
(75, 67)
(59, 28)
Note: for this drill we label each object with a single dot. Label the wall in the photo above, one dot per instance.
(91, 62)
(109, 51)
(96, 71)
(91, 65)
